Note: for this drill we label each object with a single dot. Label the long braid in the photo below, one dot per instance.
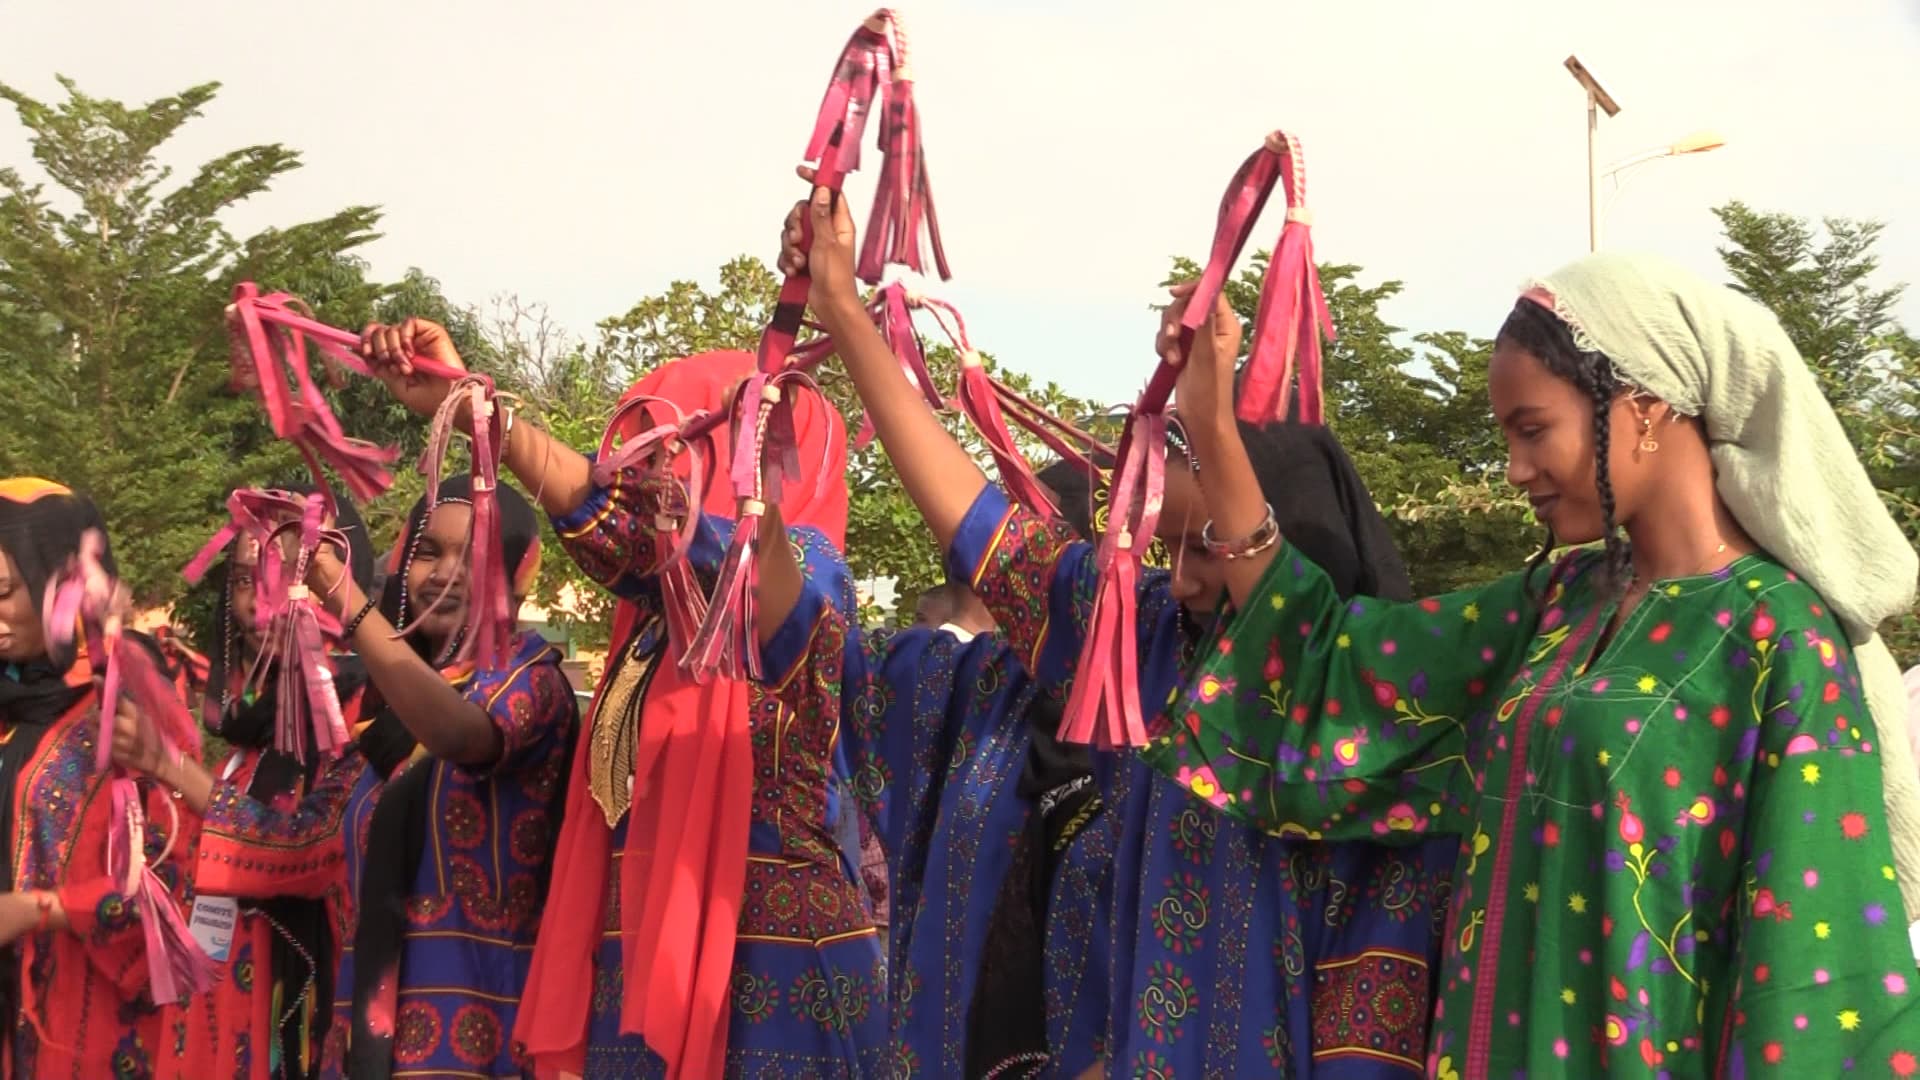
(1535, 329)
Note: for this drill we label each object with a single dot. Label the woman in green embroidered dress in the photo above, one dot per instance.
(1659, 755)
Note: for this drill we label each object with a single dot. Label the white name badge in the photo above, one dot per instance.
(212, 925)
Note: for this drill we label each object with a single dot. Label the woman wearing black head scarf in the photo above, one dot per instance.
(73, 968)
(271, 903)
(451, 827)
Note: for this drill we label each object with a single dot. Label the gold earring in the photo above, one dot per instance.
(1648, 443)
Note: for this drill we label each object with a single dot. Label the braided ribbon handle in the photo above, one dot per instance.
(79, 603)
(1104, 706)
(298, 629)
(270, 333)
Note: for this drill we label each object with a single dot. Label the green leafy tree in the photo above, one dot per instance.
(111, 288)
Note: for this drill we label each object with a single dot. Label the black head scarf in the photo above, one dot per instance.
(397, 835)
(41, 524)
(1324, 509)
(302, 945)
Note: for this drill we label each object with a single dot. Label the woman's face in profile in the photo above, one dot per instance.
(22, 637)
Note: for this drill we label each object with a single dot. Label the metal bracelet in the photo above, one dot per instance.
(1264, 535)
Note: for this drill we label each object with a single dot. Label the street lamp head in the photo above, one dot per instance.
(1698, 143)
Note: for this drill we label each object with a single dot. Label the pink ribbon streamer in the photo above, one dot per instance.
(80, 601)
(1104, 706)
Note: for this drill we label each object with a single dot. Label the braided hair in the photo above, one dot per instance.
(1538, 331)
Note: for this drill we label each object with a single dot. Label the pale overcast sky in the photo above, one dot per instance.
(585, 154)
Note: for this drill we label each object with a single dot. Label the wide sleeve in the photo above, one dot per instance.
(615, 536)
(253, 850)
(1344, 719)
(1038, 580)
(532, 706)
(1825, 977)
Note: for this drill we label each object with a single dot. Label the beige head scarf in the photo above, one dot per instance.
(1782, 465)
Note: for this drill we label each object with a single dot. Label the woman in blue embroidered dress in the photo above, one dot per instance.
(450, 827)
(1233, 954)
(793, 984)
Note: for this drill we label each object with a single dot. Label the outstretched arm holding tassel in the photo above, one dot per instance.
(445, 721)
(937, 472)
(1236, 505)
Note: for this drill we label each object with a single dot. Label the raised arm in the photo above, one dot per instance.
(1237, 508)
(937, 472)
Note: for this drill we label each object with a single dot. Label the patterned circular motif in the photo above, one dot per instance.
(851, 997)
(243, 968)
(1167, 1001)
(477, 1037)
(1395, 889)
(1193, 835)
(523, 900)
(754, 997)
(130, 1058)
(543, 783)
(870, 780)
(824, 899)
(416, 1033)
(530, 837)
(466, 821)
(427, 910)
(783, 901)
(812, 999)
(477, 902)
(1180, 918)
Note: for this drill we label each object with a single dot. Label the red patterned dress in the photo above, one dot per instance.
(252, 852)
(85, 1009)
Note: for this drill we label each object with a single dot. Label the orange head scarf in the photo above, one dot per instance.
(683, 868)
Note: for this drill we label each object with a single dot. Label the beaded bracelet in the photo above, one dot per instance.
(353, 624)
(1264, 535)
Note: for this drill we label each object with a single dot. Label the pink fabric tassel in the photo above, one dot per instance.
(176, 966)
(981, 404)
(892, 314)
(903, 203)
(1103, 709)
(489, 605)
(81, 598)
(1293, 313)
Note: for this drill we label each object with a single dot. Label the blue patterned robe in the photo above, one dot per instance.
(1234, 954)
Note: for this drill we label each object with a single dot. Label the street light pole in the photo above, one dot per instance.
(1597, 99)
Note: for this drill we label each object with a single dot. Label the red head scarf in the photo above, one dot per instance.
(683, 869)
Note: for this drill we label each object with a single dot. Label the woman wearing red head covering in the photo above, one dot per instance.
(747, 941)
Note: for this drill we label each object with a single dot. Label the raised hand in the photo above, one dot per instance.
(1205, 386)
(390, 351)
(829, 261)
